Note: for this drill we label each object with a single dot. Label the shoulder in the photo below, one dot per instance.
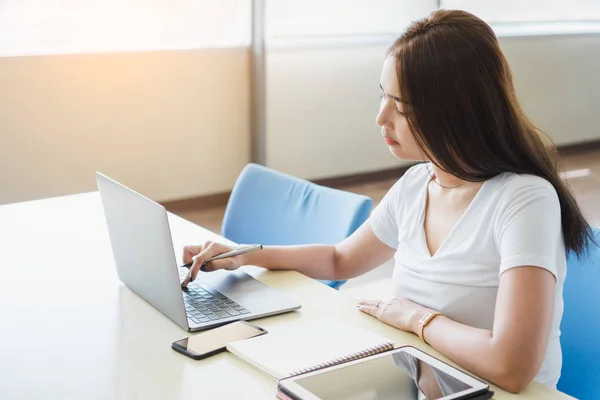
(413, 179)
(406, 189)
(512, 181)
(512, 188)
(522, 199)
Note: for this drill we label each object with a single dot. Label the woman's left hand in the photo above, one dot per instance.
(399, 312)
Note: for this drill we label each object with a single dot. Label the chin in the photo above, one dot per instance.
(399, 153)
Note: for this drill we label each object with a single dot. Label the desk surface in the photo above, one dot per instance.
(71, 329)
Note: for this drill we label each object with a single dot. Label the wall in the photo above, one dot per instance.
(321, 108)
(557, 82)
(322, 102)
(169, 124)
(175, 125)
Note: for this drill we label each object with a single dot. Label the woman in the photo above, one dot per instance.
(478, 231)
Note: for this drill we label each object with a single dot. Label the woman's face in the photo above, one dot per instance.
(391, 119)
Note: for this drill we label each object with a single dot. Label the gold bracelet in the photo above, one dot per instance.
(424, 321)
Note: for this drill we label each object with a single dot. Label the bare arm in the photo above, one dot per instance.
(512, 353)
(355, 255)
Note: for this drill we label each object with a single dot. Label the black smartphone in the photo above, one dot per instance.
(213, 341)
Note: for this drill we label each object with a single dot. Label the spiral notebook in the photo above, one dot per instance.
(287, 351)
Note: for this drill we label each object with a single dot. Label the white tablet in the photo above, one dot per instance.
(403, 373)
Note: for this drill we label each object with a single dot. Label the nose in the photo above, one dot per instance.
(382, 118)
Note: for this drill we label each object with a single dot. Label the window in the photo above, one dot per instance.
(529, 11)
(86, 26)
(91, 26)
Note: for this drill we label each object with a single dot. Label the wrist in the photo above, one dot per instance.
(244, 259)
(418, 314)
(249, 258)
(424, 322)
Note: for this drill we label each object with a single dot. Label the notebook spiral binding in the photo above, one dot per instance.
(350, 357)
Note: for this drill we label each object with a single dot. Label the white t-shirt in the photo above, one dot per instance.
(514, 220)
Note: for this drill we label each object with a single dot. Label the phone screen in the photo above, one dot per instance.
(217, 338)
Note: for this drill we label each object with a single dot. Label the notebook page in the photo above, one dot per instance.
(287, 349)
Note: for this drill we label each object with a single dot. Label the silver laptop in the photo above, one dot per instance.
(143, 251)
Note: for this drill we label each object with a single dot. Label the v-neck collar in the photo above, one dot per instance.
(424, 197)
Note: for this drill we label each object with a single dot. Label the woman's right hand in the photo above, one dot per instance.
(199, 255)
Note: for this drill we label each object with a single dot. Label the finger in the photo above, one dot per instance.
(193, 271)
(195, 268)
(209, 250)
(371, 310)
(189, 252)
(226, 263)
(186, 280)
(212, 266)
(197, 259)
(368, 302)
(200, 263)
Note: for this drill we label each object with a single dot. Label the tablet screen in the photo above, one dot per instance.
(398, 375)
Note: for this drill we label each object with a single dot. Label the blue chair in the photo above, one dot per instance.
(580, 326)
(271, 208)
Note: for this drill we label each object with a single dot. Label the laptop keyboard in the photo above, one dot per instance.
(204, 306)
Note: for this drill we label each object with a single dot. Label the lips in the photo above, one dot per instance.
(389, 141)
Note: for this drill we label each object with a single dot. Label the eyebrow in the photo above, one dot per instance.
(398, 99)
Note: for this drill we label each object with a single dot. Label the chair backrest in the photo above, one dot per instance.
(580, 326)
(272, 208)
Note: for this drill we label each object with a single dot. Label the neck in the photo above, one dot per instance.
(446, 179)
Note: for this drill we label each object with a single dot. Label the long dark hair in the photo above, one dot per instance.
(460, 104)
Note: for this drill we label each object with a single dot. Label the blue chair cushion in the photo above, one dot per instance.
(580, 326)
(272, 208)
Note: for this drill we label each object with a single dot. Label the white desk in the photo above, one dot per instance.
(70, 329)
